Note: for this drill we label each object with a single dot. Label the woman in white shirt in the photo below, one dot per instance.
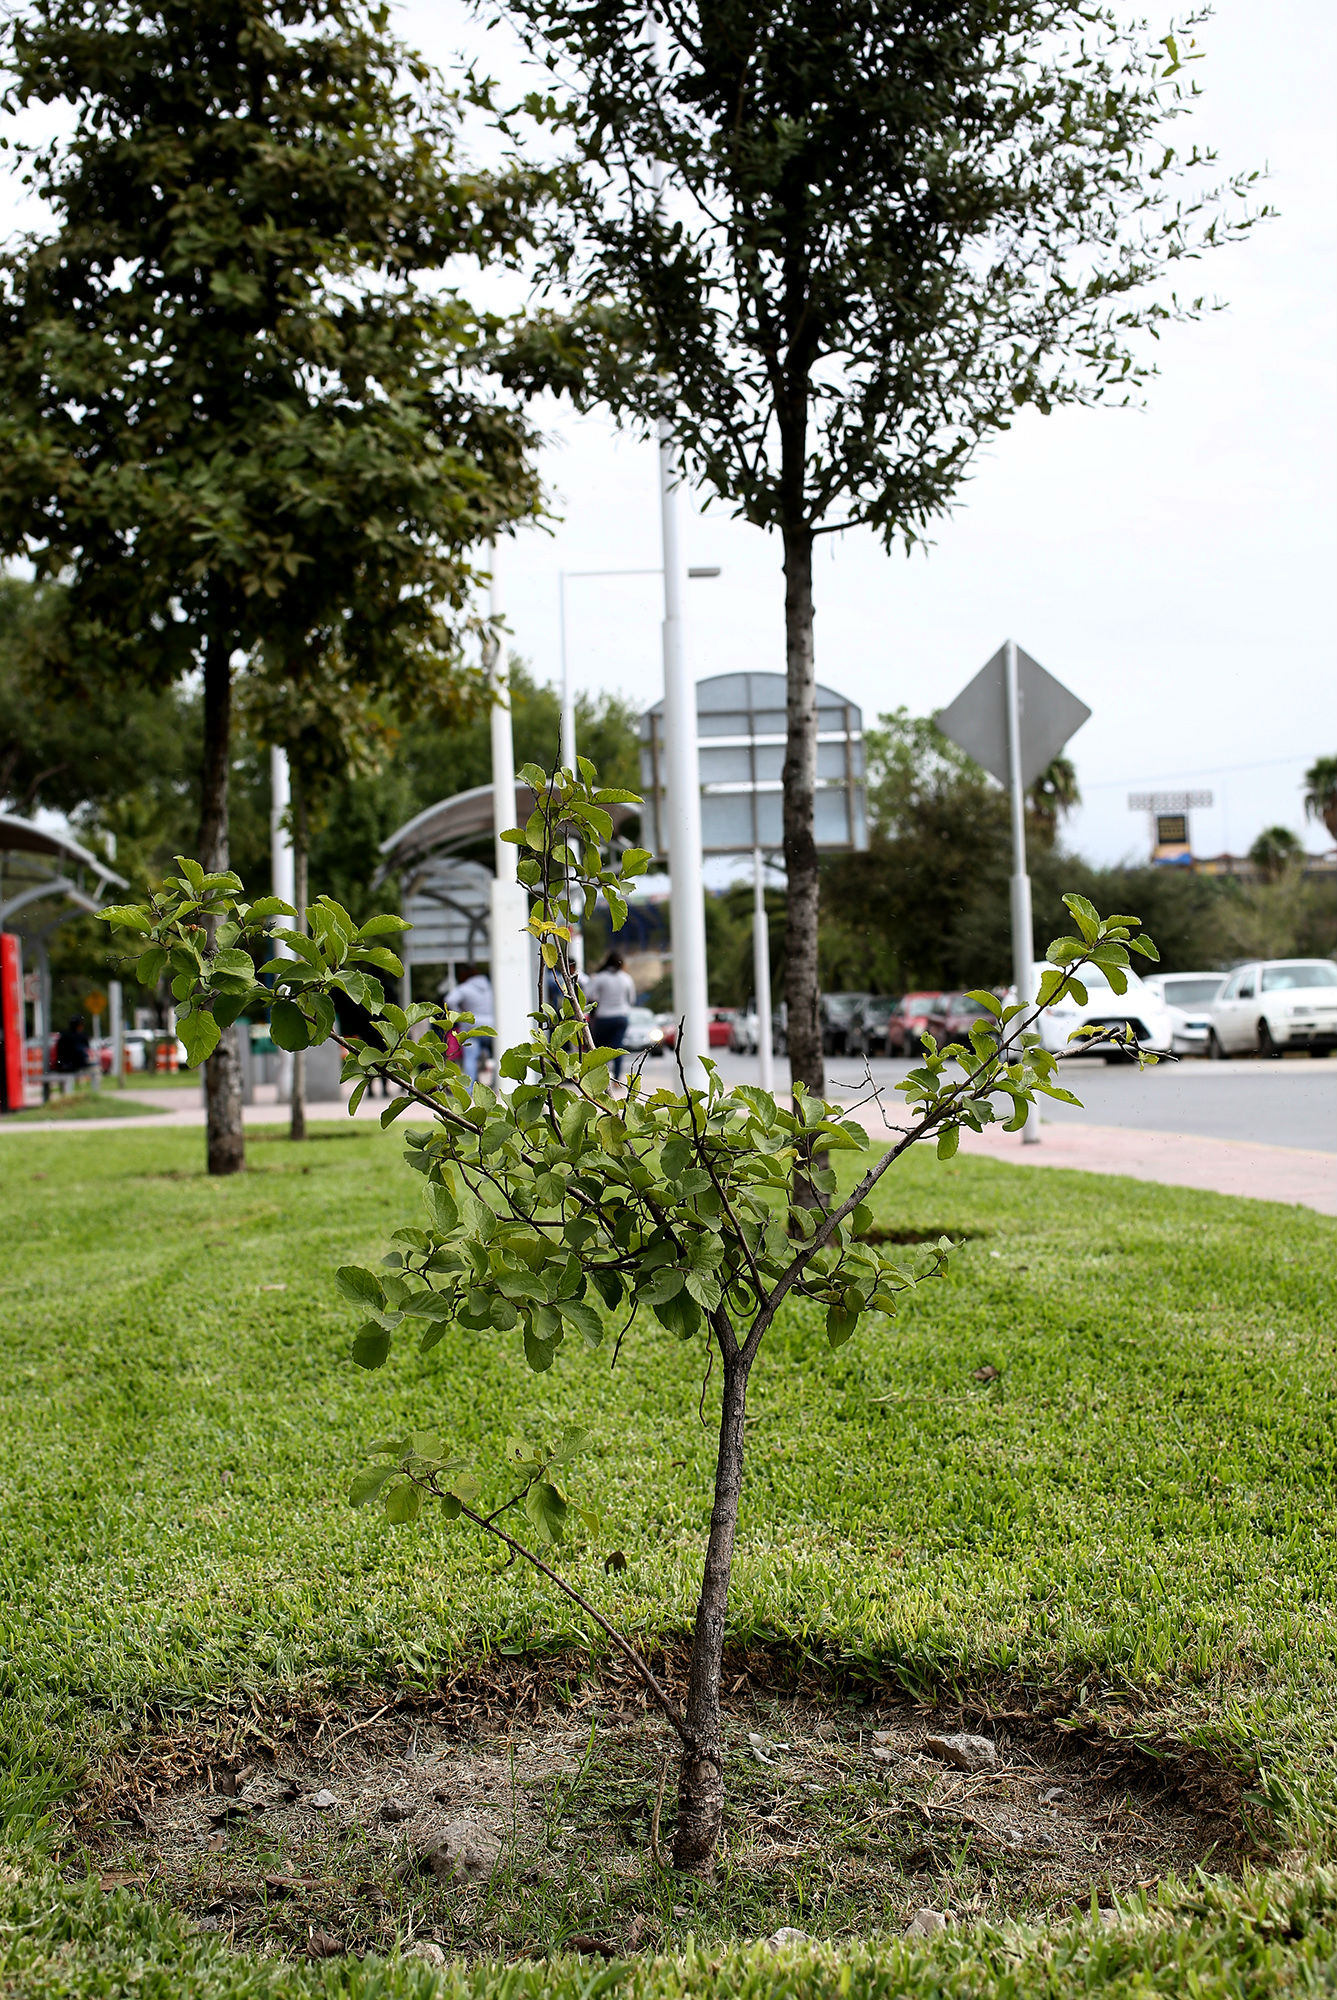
(611, 991)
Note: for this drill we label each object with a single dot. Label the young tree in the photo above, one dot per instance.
(229, 412)
(559, 1207)
(887, 226)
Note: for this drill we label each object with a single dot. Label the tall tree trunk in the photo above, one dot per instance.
(225, 1142)
(803, 1027)
(297, 1122)
(701, 1769)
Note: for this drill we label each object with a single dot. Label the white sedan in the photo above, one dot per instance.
(1188, 995)
(1139, 1008)
(644, 1035)
(1276, 1004)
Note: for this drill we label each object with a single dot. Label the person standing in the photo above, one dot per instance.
(612, 993)
(473, 996)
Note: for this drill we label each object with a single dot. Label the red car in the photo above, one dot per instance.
(718, 1026)
(908, 1020)
(952, 1018)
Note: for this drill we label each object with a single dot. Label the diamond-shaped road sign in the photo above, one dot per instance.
(977, 720)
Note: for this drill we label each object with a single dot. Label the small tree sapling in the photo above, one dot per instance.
(557, 1210)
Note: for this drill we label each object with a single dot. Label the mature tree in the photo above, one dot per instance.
(1321, 793)
(228, 412)
(889, 225)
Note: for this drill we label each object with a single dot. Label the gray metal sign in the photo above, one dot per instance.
(740, 726)
(977, 720)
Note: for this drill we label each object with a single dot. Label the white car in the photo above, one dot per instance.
(1188, 995)
(644, 1034)
(745, 1031)
(1139, 1009)
(1276, 1004)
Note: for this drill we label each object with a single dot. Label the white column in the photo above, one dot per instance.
(682, 788)
(116, 1024)
(566, 748)
(512, 997)
(761, 970)
(1023, 923)
(282, 881)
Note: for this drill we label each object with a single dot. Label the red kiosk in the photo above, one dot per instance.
(13, 1052)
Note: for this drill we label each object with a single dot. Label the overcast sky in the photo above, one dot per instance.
(1173, 565)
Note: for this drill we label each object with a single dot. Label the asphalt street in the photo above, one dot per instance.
(1288, 1103)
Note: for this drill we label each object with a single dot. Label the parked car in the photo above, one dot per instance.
(1137, 1008)
(1276, 1004)
(836, 1014)
(669, 1024)
(907, 1022)
(1188, 995)
(644, 1035)
(745, 1030)
(719, 1021)
(952, 1016)
(867, 1033)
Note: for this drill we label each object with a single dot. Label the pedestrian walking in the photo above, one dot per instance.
(473, 996)
(612, 993)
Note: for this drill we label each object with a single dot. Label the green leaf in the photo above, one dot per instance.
(200, 1034)
(288, 1026)
(371, 1346)
(192, 872)
(681, 1315)
(585, 1319)
(360, 1287)
(366, 1486)
(840, 1324)
(573, 1441)
(271, 906)
(545, 1511)
(233, 965)
(1086, 915)
(384, 926)
(149, 968)
(948, 1141)
(403, 1504)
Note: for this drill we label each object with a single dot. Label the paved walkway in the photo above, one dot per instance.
(1175, 1159)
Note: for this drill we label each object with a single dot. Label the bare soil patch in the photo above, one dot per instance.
(513, 1815)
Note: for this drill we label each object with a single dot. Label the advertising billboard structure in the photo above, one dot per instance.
(740, 728)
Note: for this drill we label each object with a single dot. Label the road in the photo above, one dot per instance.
(1288, 1103)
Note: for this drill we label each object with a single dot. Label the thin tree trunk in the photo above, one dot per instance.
(297, 1122)
(225, 1142)
(803, 1027)
(701, 1769)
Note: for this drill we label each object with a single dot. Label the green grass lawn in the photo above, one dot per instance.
(81, 1104)
(1136, 1513)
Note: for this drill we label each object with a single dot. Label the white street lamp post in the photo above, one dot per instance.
(282, 878)
(511, 995)
(761, 971)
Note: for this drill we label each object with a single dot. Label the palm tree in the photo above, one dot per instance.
(1274, 851)
(1053, 796)
(1321, 793)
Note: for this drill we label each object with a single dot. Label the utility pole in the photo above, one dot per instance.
(512, 998)
(1023, 922)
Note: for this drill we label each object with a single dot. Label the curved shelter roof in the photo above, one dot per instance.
(37, 864)
(458, 822)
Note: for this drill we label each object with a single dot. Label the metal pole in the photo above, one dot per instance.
(509, 906)
(568, 731)
(682, 805)
(1023, 923)
(282, 880)
(116, 1009)
(761, 970)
